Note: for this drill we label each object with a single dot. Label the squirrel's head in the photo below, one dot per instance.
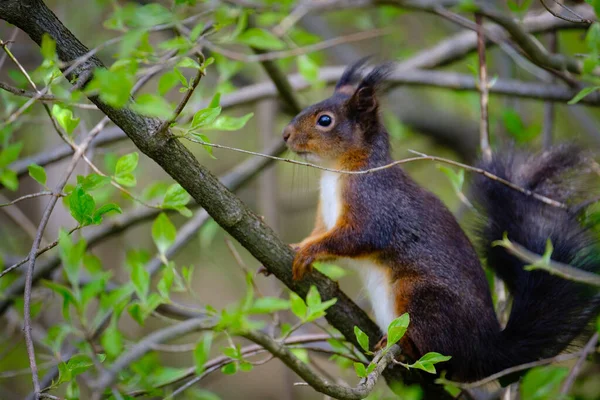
(343, 128)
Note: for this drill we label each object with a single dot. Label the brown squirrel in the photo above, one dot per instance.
(415, 258)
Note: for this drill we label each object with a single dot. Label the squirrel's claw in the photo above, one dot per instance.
(302, 263)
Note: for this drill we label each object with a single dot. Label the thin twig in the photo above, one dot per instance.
(45, 97)
(315, 380)
(557, 268)
(578, 20)
(162, 128)
(511, 370)
(421, 157)
(276, 55)
(548, 125)
(107, 377)
(29, 196)
(484, 134)
(589, 348)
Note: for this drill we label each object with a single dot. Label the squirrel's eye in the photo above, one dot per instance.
(324, 120)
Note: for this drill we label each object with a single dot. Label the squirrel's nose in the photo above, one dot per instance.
(287, 132)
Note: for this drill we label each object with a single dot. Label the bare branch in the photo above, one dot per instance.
(557, 268)
(589, 348)
(509, 371)
(316, 381)
(484, 133)
(107, 377)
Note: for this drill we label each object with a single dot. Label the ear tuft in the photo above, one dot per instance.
(351, 75)
(364, 99)
(376, 78)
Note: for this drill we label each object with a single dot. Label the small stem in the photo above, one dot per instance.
(484, 134)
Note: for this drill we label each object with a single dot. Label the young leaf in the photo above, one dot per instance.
(152, 106)
(10, 154)
(582, 93)
(205, 117)
(201, 352)
(361, 338)
(298, 306)
(427, 362)
(229, 369)
(106, 208)
(65, 118)
(313, 298)
(267, 305)
(308, 68)
(81, 206)
(38, 173)
(227, 123)
(112, 339)
(176, 197)
(330, 270)
(261, 39)
(124, 169)
(141, 281)
(163, 233)
(397, 329)
(360, 369)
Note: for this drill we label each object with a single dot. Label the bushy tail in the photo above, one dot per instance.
(548, 312)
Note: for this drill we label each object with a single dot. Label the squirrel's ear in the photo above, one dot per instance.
(364, 100)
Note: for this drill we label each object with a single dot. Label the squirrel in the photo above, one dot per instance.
(415, 258)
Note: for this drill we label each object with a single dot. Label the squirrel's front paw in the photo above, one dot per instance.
(302, 263)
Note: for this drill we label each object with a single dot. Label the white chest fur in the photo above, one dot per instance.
(376, 280)
(330, 198)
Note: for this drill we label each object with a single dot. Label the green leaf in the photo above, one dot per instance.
(261, 39)
(397, 329)
(361, 338)
(360, 369)
(205, 117)
(152, 105)
(176, 197)
(196, 31)
(332, 271)
(48, 47)
(141, 281)
(38, 173)
(163, 233)
(426, 363)
(71, 254)
(216, 99)
(582, 93)
(167, 82)
(64, 374)
(229, 369)
(65, 118)
(313, 298)
(81, 206)
(205, 142)
(201, 352)
(10, 154)
(105, 209)
(114, 87)
(79, 363)
(9, 179)
(308, 68)
(457, 179)
(124, 169)
(267, 305)
(227, 123)
(166, 282)
(543, 383)
(298, 306)
(301, 354)
(92, 182)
